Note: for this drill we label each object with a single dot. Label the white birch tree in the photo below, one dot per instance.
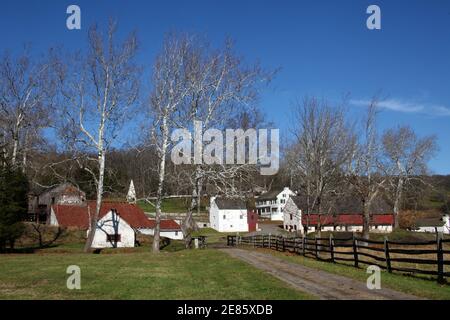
(98, 88)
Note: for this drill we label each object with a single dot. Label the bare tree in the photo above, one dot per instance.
(98, 89)
(365, 170)
(221, 87)
(407, 157)
(27, 89)
(170, 89)
(323, 143)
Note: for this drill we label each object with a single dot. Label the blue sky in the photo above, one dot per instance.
(323, 48)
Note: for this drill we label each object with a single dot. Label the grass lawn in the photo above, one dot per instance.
(171, 205)
(425, 288)
(187, 274)
(214, 236)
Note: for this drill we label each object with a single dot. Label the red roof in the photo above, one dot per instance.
(78, 216)
(166, 225)
(347, 219)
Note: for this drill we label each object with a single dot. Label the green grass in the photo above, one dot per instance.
(187, 274)
(172, 205)
(213, 236)
(425, 288)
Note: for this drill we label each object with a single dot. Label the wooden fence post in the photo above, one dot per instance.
(284, 247)
(387, 255)
(270, 243)
(304, 245)
(315, 244)
(440, 261)
(276, 244)
(355, 251)
(331, 247)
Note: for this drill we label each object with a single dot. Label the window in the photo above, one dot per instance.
(284, 195)
(290, 216)
(224, 217)
(241, 216)
(176, 233)
(113, 237)
(295, 227)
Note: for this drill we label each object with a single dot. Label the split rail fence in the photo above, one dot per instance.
(427, 257)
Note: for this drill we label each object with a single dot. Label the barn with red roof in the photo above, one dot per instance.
(342, 214)
(118, 222)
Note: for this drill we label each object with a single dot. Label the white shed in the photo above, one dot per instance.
(228, 215)
(168, 228)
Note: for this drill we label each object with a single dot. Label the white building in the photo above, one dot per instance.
(131, 195)
(344, 214)
(271, 204)
(433, 225)
(228, 215)
(116, 227)
(292, 215)
(168, 228)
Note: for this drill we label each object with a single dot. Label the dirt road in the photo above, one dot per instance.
(321, 284)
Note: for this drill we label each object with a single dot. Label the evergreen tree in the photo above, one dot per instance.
(13, 204)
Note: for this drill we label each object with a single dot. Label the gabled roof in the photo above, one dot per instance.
(270, 195)
(429, 222)
(166, 225)
(66, 187)
(344, 205)
(78, 216)
(230, 203)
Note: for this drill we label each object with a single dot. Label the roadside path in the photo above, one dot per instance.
(321, 284)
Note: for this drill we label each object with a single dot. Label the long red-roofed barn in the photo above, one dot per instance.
(344, 214)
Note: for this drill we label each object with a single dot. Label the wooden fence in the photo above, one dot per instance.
(388, 255)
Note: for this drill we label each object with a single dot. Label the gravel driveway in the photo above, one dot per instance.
(321, 284)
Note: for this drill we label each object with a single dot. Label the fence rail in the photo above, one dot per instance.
(384, 254)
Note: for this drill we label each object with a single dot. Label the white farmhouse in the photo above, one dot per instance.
(228, 215)
(271, 204)
(117, 225)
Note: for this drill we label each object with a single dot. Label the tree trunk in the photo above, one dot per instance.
(15, 149)
(159, 193)
(94, 218)
(188, 224)
(398, 199)
(25, 154)
(366, 219)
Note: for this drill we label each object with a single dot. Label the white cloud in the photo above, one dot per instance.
(408, 107)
